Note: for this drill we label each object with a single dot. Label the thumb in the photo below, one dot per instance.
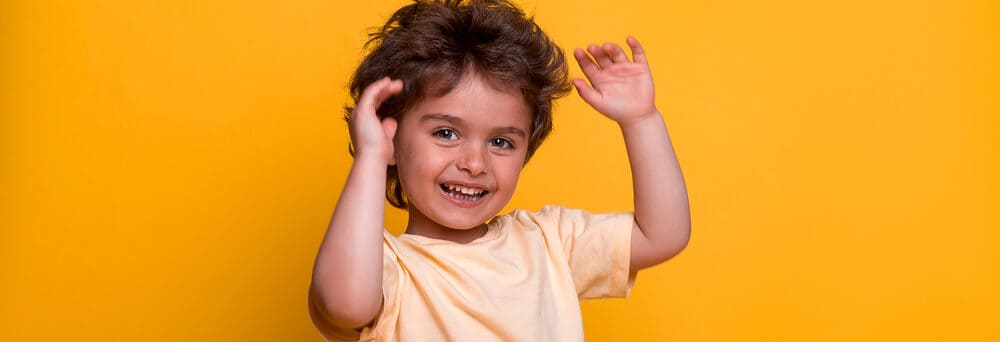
(589, 95)
(389, 126)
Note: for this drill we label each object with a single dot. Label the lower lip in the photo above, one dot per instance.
(461, 202)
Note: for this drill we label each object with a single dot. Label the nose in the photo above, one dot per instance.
(473, 160)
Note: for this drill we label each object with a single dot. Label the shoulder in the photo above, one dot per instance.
(562, 218)
(564, 222)
(390, 243)
(542, 222)
(543, 216)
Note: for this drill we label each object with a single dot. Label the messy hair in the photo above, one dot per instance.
(430, 44)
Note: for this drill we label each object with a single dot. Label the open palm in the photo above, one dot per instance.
(619, 88)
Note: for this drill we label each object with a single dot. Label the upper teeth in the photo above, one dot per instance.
(464, 190)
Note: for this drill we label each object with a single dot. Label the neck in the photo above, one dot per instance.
(418, 224)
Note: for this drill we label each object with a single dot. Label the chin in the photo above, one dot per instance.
(467, 218)
(465, 224)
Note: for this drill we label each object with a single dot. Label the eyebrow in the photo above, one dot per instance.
(513, 130)
(441, 117)
(454, 120)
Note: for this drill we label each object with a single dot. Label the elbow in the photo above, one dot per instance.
(648, 251)
(675, 243)
(667, 236)
(678, 245)
(342, 311)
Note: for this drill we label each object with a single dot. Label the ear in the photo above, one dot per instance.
(389, 126)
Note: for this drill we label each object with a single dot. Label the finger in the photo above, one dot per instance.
(638, 53)
(367, 100)
(616, 53)
(586, 64)
(393, 88)
(373, 96)
(601, 57)
(589, 95)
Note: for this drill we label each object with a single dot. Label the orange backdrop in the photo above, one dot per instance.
(168, 168)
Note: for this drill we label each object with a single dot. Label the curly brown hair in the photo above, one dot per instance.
(429, 44)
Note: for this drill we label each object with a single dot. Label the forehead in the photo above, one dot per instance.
(476, 102)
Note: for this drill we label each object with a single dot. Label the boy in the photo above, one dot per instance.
(450, 103)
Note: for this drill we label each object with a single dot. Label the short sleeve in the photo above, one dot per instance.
(597, 248)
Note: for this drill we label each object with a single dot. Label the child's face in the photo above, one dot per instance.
(459, 156)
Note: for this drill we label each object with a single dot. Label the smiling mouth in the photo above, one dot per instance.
(463, 193)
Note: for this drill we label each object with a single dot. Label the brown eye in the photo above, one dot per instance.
(501, 143)
(446, 134)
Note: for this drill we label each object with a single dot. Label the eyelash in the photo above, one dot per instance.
(450, 134)
(439, 133)
(506, 143)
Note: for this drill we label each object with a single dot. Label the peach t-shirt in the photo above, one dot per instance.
(521, 281)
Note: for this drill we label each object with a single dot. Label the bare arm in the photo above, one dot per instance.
(347, 276)
(623, 91)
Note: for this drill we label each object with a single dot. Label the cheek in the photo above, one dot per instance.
(419, 161)
(509, 170)
(407, 149)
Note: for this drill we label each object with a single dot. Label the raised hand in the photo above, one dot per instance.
(347, 276)
(619, 88)
(370, 136)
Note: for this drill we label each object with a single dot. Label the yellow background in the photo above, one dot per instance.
(168, 168)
